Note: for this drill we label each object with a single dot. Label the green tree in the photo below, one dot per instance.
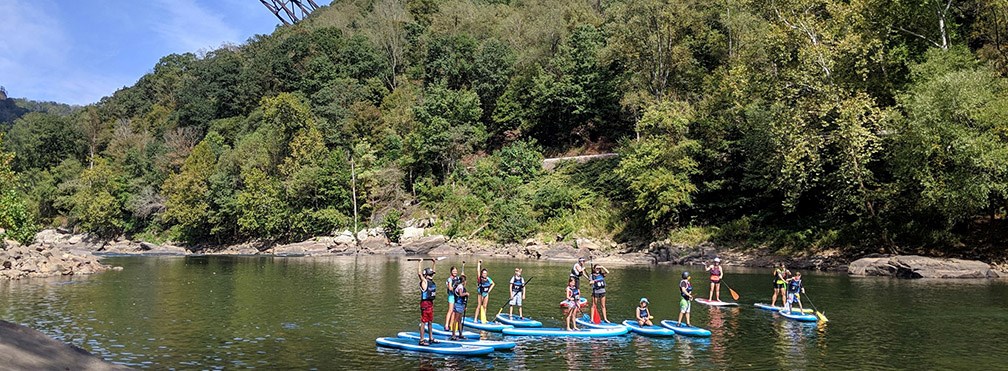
(447, 128)
(42, 140)
(949, 155)
(657, 167)
(15, 219)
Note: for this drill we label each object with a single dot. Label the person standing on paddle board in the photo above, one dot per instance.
(450, 285)
(643, 313)
(573, 304)
(517, 293)
(598, 289)
(458, 309)
(716, 274)
(577, 271)
(779, 282)
(483, 286)
(427, 292)
(794, 290)
(686, 294)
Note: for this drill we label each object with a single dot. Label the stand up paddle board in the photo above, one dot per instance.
(437, 348)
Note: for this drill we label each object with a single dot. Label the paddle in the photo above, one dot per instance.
(440, 258)
(734, 294)
(820, 315)
(499, 311)
(465, 307)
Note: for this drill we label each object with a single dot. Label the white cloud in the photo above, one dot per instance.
(33, 47)
(189, 27)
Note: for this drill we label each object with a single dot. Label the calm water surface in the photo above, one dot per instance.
(324, 313)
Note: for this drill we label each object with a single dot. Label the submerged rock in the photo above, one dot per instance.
(914, 266)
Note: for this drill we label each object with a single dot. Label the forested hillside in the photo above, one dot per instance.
(798, 124)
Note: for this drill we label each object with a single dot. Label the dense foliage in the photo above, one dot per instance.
(804, 123)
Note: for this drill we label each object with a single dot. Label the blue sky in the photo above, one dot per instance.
(77, 51)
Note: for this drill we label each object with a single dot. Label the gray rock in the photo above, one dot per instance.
(423, 245)
(410, 233)
(913, 266)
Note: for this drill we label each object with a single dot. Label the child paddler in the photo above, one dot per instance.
(643, 313)
(483, 286)
(572, 303)
(517, 284)
(450, 285)
(686, 294)
(458, 309)
(794, 290)
(427, 292)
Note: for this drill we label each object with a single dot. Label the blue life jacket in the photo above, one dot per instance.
(599, 281)
(794, 286)
(575, 292)
(450, 283)
(519, 283)
(643, 312)
(484, 285)
(461, 299)
(689, 288)
(428, 295)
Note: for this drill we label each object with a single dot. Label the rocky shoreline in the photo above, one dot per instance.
(57, 252)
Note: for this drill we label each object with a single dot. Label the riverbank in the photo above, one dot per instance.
(416, 241)
(22, 348)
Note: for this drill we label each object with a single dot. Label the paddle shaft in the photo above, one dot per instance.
(734, 294)
(499, 311)
(440, 258)
(817, 312)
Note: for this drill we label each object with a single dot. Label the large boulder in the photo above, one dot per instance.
(22, 348)
(423, 245)
(914, 266)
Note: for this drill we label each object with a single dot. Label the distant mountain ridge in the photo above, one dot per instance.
(12, 109)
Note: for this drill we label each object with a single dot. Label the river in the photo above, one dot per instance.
(325, 313)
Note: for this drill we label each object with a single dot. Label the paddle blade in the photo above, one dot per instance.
(821, 316)
(595, 317)
(734, 294)
(483, 314)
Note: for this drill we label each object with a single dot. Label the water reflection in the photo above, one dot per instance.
(265, 312)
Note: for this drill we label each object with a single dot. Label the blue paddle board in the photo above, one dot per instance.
(556, 331)
(496, 344)
(684, 329)
(437, 348)
(518, 321)
(648, 330)
(485, 326)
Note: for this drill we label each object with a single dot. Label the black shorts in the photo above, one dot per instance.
(778, 285)
(598, 294)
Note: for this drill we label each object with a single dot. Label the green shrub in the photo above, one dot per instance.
(391, 225)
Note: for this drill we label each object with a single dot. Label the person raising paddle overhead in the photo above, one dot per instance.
(427, 292)
(716, 274)
(483, 286)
